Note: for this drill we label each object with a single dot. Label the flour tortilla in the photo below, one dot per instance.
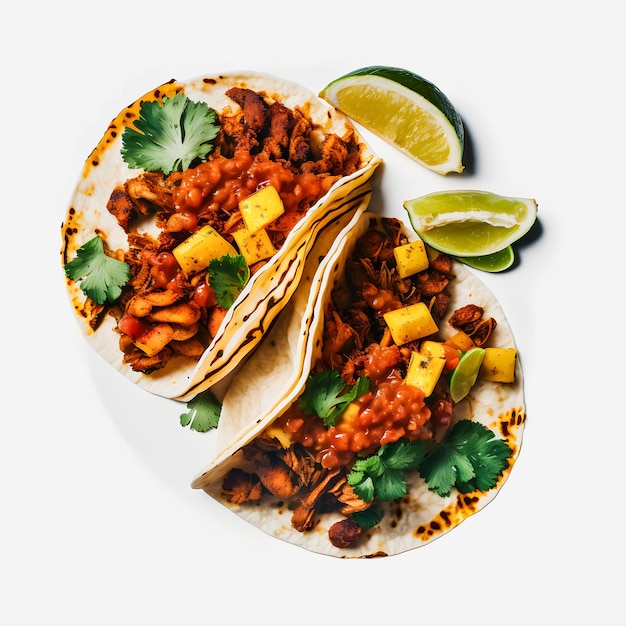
(422, 515)
(247, 319)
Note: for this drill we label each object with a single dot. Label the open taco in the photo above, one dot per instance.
(374, 439)
(193, 216)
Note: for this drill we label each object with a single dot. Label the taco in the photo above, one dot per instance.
(377, 440)
(189, 227)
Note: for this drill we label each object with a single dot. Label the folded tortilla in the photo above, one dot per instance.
(275, 377)
(269, 288)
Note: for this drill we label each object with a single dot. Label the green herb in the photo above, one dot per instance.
(368, 518)
(470, 459)
(101, 277)
(170, 136)
(327, 395)
(382, 476)
(204, 412)
(228, 276)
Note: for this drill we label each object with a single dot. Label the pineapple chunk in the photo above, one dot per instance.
(499, 365)
(255, 246)
(411, 258)
(261, 208)
(426, 366)
(275, 432)
(410, 322)
(198, 250)
(462, 341)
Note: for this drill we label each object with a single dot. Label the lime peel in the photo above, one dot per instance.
(495, 262)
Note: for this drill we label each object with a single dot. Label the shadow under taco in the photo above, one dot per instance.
(192, 219)
(368, 439)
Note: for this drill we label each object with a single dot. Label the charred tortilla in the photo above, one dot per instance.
(270, 470)
(166, 332)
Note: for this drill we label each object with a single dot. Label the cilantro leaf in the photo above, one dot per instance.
(101, 277)
(204, 412)
(170, 136)
(327, 395)
(470, 459)
(368, 518)
(383, 475)
(228, 276)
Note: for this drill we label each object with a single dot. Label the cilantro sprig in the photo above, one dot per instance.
(327, 395)
(204, 412)
(470, 459)
(170, 136)
(228, 276)
(382, 476)
(100, 276)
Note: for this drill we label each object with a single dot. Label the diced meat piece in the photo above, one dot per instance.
(121, 206)
(276, 477)
(304, 514)
(442, 263)
(432, 283)
(300, 140)
(466, 316)
(182, 313)
(239, 487)
(481, 333)
(151, 187)
(344, 533)
(216, 317)
(281, 122)
(253, 106)
(191, 348)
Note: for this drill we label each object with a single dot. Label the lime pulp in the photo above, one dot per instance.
(465, 373)
(405, 110)
(470, 223)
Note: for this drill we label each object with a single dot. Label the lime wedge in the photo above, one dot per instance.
(470, 223)
(496, 262)
(465, 373)
(405, 110)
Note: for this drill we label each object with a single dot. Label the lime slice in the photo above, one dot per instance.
(405, 110)
(496, 262)
(465, 373)
(470, 223)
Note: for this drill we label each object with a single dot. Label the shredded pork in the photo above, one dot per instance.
(152, 329)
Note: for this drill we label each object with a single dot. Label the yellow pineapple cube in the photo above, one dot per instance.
(276, 432)
(426, 366)
(254, 246)
(410, 322)
(198, 250)
(411, 258)
(499, 365)
(261, 208)
(462, 341)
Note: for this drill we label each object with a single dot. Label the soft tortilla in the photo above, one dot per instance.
(420, 517)
(246, 321)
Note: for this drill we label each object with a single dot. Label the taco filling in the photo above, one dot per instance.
(171, 305)
(205, 199)
(378, 405)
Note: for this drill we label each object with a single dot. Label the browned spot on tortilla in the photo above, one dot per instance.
(512, 420)
(126, 118)
(464, 506)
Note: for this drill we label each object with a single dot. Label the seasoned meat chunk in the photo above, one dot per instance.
(344, 533)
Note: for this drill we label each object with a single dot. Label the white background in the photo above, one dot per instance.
(98, 524)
